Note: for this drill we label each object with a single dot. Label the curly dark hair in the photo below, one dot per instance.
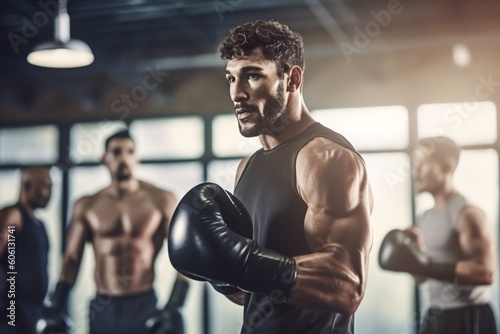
(278, 42)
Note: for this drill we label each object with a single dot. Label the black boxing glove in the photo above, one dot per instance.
(224, 288)
(399, 253)
(53, 320)
(170, 320)
(206, 240)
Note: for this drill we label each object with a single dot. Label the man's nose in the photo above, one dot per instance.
(238, 91)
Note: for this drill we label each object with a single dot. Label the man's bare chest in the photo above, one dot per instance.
(131, 216)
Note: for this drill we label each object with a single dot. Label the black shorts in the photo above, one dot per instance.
(477, 319)
(121, 314)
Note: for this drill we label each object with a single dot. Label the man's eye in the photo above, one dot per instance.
(230, 79)
(253, 76)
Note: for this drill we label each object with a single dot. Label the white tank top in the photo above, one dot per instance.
(441, 239)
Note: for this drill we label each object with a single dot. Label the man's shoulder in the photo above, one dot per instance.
(150, 188)
(322, 151)
(471, 213)
(155, 192)
(11, 215)
(87, 200)
(10, 209)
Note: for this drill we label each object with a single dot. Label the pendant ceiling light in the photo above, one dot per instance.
(62, 52)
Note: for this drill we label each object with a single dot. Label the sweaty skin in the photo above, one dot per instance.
(331, 180)
(333, 183)
(126, 223)
(126, 231)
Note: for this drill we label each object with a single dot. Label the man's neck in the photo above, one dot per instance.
(292, 124)
(24, 203)
(125, 187)
(443, 196)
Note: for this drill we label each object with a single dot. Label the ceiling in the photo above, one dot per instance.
(130, 37)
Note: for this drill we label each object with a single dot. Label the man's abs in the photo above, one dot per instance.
(124, 265)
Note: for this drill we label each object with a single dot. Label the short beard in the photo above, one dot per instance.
(39, 203)
(268, 123)
(124, 173)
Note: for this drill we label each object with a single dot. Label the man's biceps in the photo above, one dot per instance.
(78, 230)
(478, 246)
(352, 232)
(474, 233)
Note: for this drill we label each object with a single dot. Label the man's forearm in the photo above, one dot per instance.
(327, 282)
(474, 272)
(69, 271)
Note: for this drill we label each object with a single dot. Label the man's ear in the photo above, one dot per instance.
(294, 79)
(448, 167)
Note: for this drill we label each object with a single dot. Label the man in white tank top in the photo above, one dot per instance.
(457, 234)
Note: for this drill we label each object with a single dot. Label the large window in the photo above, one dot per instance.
(176, 138)
(30, 145)
(467, 123)
(372, 128)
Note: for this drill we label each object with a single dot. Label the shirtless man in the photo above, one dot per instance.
(126, 223)
(23, 237)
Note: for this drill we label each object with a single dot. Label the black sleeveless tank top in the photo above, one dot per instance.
(31, 251)
(267, 188)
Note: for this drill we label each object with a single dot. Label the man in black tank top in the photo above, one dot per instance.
(306, 190)
(23, 255)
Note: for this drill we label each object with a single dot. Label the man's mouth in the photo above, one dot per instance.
(123, 169)
(242, 112)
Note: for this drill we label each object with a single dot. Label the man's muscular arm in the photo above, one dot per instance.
(333, 183)
(477, 246)
(77, 236)
(10, 216)
(53, 320)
